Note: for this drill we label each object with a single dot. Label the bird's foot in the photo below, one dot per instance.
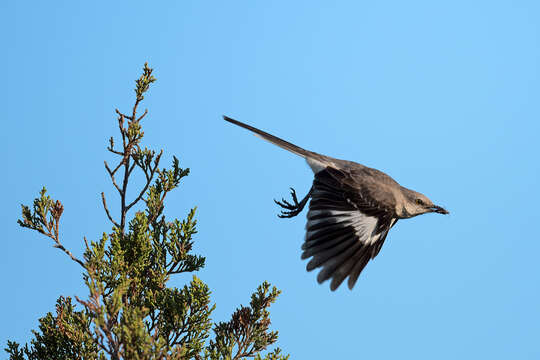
(291, 210)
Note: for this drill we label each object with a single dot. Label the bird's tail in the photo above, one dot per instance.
(273, 139)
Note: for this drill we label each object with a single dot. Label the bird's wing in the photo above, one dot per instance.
(345, 229)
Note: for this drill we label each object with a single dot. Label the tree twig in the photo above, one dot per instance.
(107, 211)
(113, 179)
(143, 115)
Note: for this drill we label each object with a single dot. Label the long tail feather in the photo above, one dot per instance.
(271, 138)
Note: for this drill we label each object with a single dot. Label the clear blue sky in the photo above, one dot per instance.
(443, 97)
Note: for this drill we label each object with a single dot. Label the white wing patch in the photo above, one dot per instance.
(363, 225)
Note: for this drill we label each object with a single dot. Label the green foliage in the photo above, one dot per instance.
(246, 334)
(37, 219)
(66, 335)
(130, 313)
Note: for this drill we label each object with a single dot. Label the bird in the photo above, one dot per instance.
(352, 208)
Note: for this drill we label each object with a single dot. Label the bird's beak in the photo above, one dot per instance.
(439, 210)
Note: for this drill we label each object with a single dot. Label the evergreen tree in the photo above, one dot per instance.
(130, 312)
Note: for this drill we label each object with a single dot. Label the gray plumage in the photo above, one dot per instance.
(352, 208)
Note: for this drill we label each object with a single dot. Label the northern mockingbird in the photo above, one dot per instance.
(352, 208)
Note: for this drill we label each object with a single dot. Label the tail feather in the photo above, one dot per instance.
(273, 139)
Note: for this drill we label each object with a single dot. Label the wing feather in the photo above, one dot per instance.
(343, 232)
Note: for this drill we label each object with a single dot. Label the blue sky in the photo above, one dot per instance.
(443, 96)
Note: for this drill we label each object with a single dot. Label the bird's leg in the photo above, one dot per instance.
(294, 209)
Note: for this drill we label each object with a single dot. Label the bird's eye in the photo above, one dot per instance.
(419, 202)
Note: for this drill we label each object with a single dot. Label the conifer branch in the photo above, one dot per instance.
(45, 219)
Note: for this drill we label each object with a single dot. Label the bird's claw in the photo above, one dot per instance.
(291, 210)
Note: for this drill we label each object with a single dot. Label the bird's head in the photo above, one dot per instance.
(418, 204)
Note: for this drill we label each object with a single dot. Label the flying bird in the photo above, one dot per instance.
(352, 209)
